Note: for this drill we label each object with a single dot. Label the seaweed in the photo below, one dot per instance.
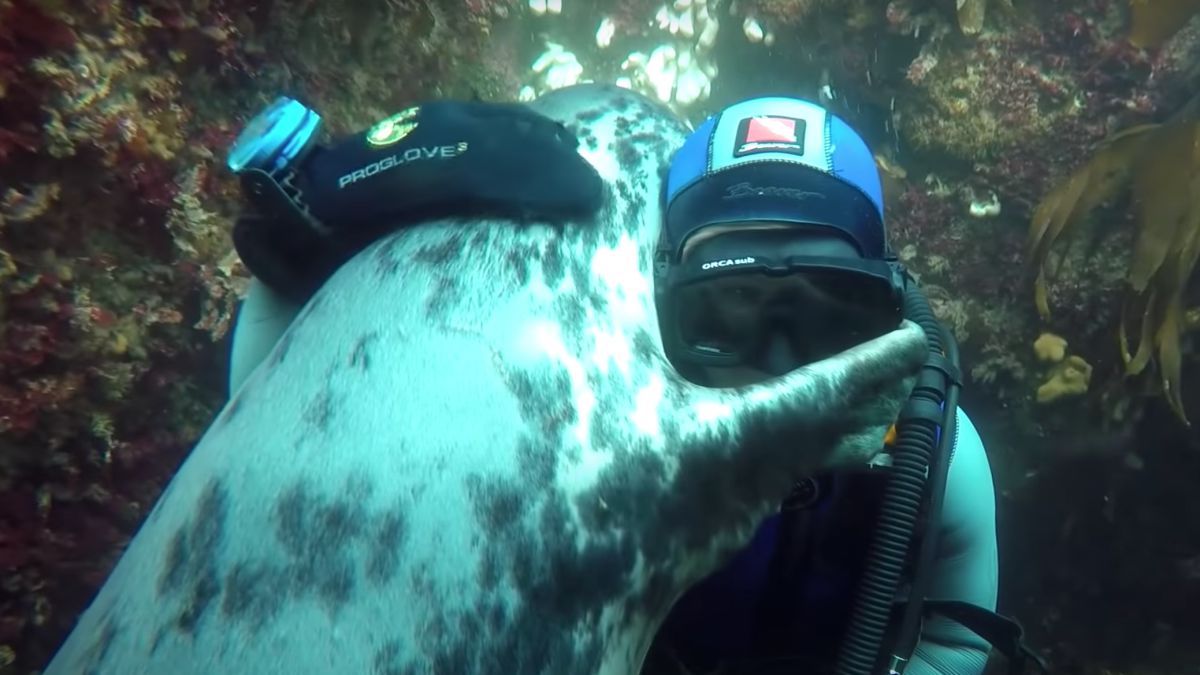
(971, 14)
(1156, 21)
(1161, 163)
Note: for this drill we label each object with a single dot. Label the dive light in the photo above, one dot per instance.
(276, 139)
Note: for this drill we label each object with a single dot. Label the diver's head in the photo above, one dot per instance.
(773, 253)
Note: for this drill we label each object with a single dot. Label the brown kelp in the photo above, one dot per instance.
(1155, 21)
(1161, 163)
(971, 14)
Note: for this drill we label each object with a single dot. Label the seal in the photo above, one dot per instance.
(469, 454)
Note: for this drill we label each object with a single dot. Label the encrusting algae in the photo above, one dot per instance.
(1070, 377)
(1050, 348)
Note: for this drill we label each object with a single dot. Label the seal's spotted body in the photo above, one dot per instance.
(469, 455)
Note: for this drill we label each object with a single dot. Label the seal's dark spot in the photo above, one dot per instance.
(360, 356)
(458, 660)
(481, 239)
(524, 388)
(645, 349)
(384, 552)
(174, 562)
(441, 253)
(420, 583)
(490, 570)
(537, 458)
(319, 410)
(608, 214)
(387, 661)
(160, 634)
(499, 504)
(556, 403)
(590, 116)
(519, 259)
(635, 208)
(97, 652)
(630, 482)
(543, 398)
(552, 265)
(254, 592)
(326, 544)
(596, 301)
(560, 580)
(335, 583)
(581, 274)
(625, 190)
(320, 536)
(201, 594)
(607, 434)
(387, 260)
(572, 314)
(306, 522)
(445, 294)
(628, 154)
(583, 577)
(647, 140)
(189, 574)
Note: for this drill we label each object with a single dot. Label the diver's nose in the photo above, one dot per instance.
(780, 356)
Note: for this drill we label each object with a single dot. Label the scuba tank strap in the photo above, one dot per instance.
(1006, 635)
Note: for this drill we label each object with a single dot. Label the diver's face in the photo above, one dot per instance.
(780, 359)
(773, 324)
(784, 322)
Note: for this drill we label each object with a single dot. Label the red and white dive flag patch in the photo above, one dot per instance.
(769, 134)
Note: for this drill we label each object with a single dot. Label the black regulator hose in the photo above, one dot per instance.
(910, 626)
(932, 404)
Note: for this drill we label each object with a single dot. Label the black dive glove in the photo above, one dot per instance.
(445, 158)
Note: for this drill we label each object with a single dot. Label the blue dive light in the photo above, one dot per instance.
(276, 138)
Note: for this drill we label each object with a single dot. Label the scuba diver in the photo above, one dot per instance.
(773, 256)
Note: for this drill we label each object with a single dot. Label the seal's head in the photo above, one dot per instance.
(773, 253)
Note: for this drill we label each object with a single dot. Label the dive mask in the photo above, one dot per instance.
(728, 309)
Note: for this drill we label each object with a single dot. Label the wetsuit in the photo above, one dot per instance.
(784, 598)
